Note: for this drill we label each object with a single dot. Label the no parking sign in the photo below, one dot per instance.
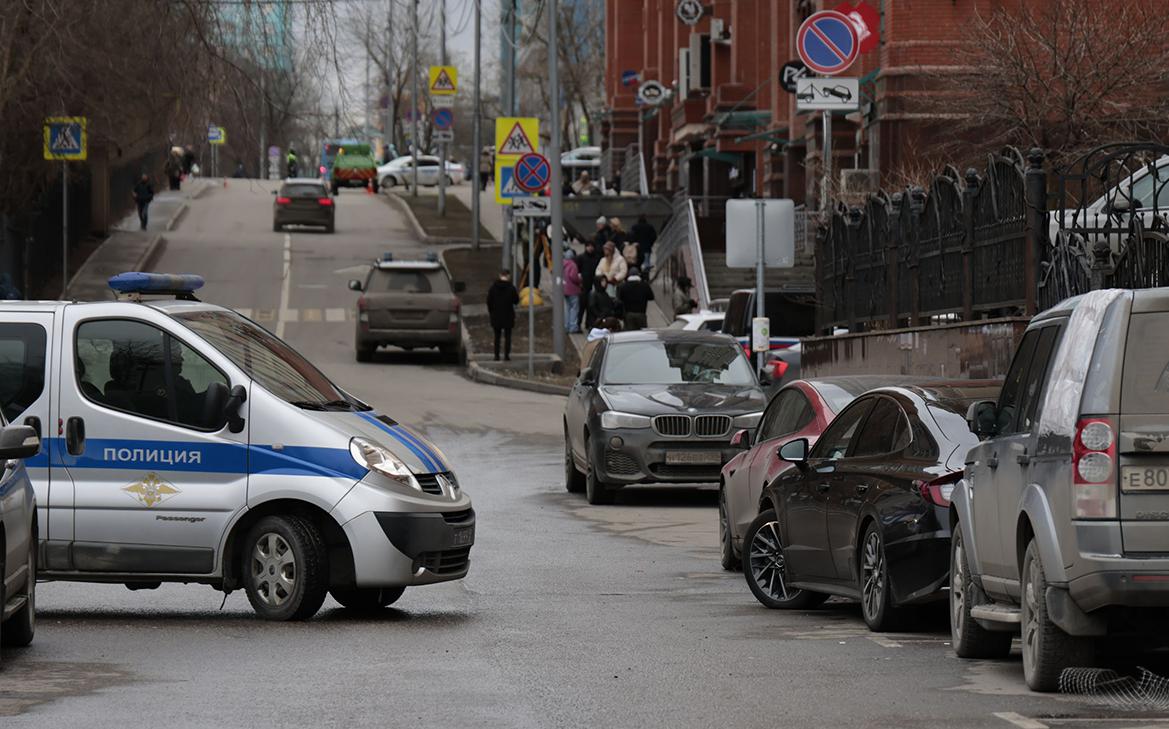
(827, 42)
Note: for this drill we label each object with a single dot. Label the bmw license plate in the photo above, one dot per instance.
(1144, 478)
(694, 458)
(464, 537)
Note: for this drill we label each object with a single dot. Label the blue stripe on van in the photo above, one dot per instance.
(417, 440)
(393, 433)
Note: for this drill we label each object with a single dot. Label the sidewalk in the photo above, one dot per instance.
(129, 248)
(490, 212)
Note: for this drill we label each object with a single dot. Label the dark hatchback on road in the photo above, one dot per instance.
(657, 406)
(303, 202)
(865, 512)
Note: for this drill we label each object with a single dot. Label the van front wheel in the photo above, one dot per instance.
(285, 568)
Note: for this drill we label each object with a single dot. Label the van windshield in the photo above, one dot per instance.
(277, 367)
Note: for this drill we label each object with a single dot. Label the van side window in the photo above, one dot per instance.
(1037, 377)
(1013, 386)
(22, 367)
(139, 369)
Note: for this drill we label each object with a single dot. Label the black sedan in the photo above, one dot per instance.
(865, 512)
(657, 406)
(303, 202)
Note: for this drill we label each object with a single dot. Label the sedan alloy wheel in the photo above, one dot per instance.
(765, 567)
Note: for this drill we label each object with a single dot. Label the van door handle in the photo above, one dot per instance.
(993, 461)
(75, 436)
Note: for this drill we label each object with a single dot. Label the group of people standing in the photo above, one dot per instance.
(605, 281)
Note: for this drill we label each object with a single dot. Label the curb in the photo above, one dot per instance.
(485, 376)
(153, 252)
(178, 216)
(420, 232)
(203, 189)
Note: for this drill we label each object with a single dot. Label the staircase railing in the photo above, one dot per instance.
(679, 250)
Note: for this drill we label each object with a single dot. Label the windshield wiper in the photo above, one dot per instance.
(326, 405)
(308, 404)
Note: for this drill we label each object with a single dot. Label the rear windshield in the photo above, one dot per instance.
(408, 282)
(1144, 388)
(303, 191)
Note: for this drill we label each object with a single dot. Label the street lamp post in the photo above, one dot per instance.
(558, 332)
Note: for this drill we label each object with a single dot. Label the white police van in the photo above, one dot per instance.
(185, 443)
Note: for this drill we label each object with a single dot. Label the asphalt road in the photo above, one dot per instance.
(572, 615)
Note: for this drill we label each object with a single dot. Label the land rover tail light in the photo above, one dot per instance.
(1094, 469)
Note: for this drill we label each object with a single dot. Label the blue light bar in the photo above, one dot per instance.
(387, 257)
(137, 282)
(432, 257)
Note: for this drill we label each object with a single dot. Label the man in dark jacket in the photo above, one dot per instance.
(644, 235)
(600, 306)
(502, 298)
(586, 263)
(604, 233)
(635, 296)
(143, 194)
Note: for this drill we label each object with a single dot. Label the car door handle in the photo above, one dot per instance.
(1023, 458)
(823, 488)
(993, 461)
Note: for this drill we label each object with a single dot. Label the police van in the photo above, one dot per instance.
(182, 442)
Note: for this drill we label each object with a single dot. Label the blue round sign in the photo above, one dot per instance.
(532, 172)
(443, 119)
(827, 42)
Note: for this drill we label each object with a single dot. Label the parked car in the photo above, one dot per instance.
(792, 315)
(18, 515)
(408, 304)
(710, 321)
(303, 202)
(1061, 523)
(865, 512)
(801, 409)
(1141, 193)
(401, 172)
(581, 159)
(657, 406)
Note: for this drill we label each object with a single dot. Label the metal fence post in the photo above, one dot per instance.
(1035, 196)
(969, 192)
(916, 202)
(892, 260)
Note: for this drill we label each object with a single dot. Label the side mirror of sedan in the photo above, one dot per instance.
(982, 418)
(587, 376)
(355, 285)
(741, 439)
(794, 451)
(19, 441)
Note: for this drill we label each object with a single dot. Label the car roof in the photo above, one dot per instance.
(671, 335)
(954, 395)
(303, 181)
(408, 265)
(857, 385)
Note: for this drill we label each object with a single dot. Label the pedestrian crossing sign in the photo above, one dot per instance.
(444, 81)
(515, 137)
(506, 188)
(65, 138)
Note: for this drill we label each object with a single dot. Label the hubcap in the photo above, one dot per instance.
(273, 569)
(957, 587)
(767, 564)
(1030, 614)
(873, 591)
(722, 518)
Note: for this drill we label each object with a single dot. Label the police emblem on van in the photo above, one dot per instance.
(151, 490)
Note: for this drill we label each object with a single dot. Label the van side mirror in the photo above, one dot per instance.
(18, 441)
(587, 376)
(235, 421)
(982, 418)
(794, 451)
(355, 285)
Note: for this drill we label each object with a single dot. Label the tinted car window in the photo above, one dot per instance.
(665, 363)
(22, 367)
(1144, 387)
(303, 191)
(839, 435)
(789, 413)
(1013, 386)
(886, 430)
(1037, 376)
(408, 282)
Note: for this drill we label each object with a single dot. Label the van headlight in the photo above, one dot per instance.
(750, 420)
(611, 419)
(377, 458)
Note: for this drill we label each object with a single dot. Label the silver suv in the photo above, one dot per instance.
(1062, 518)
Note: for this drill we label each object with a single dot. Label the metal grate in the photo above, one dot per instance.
(672, 426)
(448, 562)
(458, 517)
(621, 464)
(711, 426)
(430, 483)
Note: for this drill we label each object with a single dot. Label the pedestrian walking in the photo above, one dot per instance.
(188, 160)
(572, 291)
(143, 194)
(604, 232)
(683, 302)
(502, 298)
(586, 263)
(239, 169)
(293, 163)
(173, 167)
(601, 305)
(612, 267)
(635, 296)
(645, 236)
(486, 163)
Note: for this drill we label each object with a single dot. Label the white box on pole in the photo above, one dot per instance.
(779, 232)
(760, 334)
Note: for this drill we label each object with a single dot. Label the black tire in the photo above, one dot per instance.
(390, 182)
(730, 561)
(876, 595)
(285, 568)
(334, 188)
(574, 480)
(449, 181)
(597, 492)
(330, 228)
(366, 599)
(364, 354)
(19, 629)
(970, 640)
(277, 228)
(764, 565)
(374, 185)
(1047, 650)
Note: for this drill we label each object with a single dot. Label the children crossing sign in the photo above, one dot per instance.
(65, 138)
(444, 81)
(516, 136)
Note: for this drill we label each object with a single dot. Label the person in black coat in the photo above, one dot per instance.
(502, 299)
(635, 295)
(644, 236)
(586, 263)
(601, 305)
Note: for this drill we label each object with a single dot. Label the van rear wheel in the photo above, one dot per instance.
(366, 599)
(285, 568)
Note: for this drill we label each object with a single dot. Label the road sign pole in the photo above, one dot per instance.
(442, 145)
(827, 184)
(555, 181)
(414, 101)
(760, 308)
(531, 297)
(64, 229)
(476, 133)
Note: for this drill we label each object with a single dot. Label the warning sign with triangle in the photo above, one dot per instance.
(444, 80)
(516, 136)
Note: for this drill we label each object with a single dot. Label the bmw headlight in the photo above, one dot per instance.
(611, 419)
(377, 458)
(749, 420)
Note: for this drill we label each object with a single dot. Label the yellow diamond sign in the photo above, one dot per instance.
(444, 81)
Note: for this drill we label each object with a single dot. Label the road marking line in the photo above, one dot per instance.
(246, 313)
(265, 315)
(312, 315)
(1019, 720)
(288, 315)
(884, 642)
(285, 285)
(335, 314)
